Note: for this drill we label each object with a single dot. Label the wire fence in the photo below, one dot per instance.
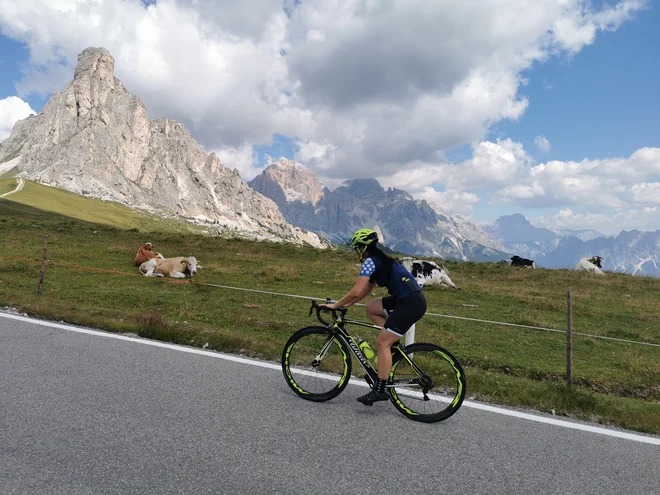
(282, 294)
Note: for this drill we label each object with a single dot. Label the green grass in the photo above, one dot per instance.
(10, 173)
(73, 206)
(7, 185)
(615, 383)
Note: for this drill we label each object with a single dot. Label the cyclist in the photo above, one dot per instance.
(395, 314)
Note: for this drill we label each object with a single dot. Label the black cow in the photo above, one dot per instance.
(518, 261)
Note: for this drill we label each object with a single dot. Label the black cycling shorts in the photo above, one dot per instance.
(404, 313)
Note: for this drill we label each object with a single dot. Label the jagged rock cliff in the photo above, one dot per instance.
(407, 225)
(94, 137)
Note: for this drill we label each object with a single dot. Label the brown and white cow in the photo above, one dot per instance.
(145, 253)
(178, 267)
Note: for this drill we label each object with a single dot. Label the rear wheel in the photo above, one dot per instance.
(434, 395)
(316, 364)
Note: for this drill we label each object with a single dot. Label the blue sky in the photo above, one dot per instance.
(600, 103)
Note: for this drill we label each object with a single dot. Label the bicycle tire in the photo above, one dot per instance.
(320, 381)
(449, 384)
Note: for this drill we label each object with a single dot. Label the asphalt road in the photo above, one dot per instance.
(83, 413)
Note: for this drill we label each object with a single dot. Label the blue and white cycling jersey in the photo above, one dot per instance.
(400, 284)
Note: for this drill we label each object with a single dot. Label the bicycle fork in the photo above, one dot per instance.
(322, 352)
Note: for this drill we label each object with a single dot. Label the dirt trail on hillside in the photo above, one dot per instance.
(19, 187)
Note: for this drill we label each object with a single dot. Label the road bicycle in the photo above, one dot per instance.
(426, 383)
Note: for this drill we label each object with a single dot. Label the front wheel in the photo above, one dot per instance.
(316, 364)
(432, 388)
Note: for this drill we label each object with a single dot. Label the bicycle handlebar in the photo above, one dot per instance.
(320, 308)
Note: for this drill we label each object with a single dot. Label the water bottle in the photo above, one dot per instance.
(366, 349)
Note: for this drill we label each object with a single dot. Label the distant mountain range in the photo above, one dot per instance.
(416, 227)
(633, 252)
(406, 225)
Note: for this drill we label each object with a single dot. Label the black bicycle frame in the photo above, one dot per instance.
(339, 330)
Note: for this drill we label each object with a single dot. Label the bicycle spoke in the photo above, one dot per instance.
(426, 400)
(316, 365)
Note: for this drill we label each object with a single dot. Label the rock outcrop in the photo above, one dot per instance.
(94, 137)
(407, 225)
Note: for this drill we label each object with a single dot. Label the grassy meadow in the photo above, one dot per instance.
(91, 280)
(7, 185)
(75, 207)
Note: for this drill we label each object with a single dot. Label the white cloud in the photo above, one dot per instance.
(451, 201)
(244, 159)
(609, 195)
(606, 222)
(376, 85)
(609, 183)
(225, 80)
(542, 143)
(366, 88)
(646, 193)
(12, 109)
(569, 219)
(492, 165)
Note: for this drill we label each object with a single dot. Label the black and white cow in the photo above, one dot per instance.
(428, 272)
(596, 260)
(518, 261)
(591, 265)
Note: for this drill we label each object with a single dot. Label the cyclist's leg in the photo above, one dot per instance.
(390, 333)
(379, 392)
(386, 339)
(375, 311)
(408, 311)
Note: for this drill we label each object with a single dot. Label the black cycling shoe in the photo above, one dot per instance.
(373, 396)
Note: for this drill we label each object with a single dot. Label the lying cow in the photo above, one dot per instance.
(518, 261)
(427, 272)
(179, 267)
(588, 265)
(145, 253)
(596, 260)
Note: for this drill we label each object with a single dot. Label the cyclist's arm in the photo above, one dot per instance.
(363, 286)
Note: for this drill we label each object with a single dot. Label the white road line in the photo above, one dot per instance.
(228, 357)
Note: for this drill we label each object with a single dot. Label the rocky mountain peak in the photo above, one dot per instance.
(511, 229)
(94, 137)
(362, 187)
(407, 225)
(286, 181)
(95, 62)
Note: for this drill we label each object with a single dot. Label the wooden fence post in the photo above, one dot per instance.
(569, 341)
(44, 256)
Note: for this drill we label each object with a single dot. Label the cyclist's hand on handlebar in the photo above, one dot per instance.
(330, 306)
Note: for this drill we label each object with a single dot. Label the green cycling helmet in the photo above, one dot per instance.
(364, 237)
